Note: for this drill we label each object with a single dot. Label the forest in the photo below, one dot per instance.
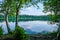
(26, 18)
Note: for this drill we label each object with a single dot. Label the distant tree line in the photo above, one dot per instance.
(26, 18)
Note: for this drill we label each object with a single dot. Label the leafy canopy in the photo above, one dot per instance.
(52, 6)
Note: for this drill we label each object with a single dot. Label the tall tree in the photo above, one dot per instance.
(53, 6)
(23, 3)
(7, 9)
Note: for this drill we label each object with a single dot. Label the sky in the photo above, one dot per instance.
(0, 0)
(34, 10)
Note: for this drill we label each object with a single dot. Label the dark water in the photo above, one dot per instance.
(37, 26)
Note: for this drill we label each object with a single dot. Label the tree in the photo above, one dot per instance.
(7, 9)
(53, 6)
(23, 3)
(18, 5)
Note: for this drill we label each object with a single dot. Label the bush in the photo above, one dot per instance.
(19, 33)
(1, 31)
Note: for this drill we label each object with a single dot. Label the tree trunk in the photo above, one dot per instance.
(6, 19)
(16, 18)
(17, 12)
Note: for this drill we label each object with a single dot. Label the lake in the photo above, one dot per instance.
(36, 26)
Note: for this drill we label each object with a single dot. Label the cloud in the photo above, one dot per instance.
(33, 10)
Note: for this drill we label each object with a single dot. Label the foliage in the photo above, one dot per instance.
(1, 31)
(25, 3)
(19, 33)
(52, 17)
(7, 5)
(52, 6)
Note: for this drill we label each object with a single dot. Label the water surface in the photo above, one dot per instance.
(37, 26)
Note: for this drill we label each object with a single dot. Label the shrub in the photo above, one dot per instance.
(1, 31)
(19, 33)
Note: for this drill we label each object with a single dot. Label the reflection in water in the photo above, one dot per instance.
(37, 26)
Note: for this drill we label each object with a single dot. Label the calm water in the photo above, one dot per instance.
(37, 26)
